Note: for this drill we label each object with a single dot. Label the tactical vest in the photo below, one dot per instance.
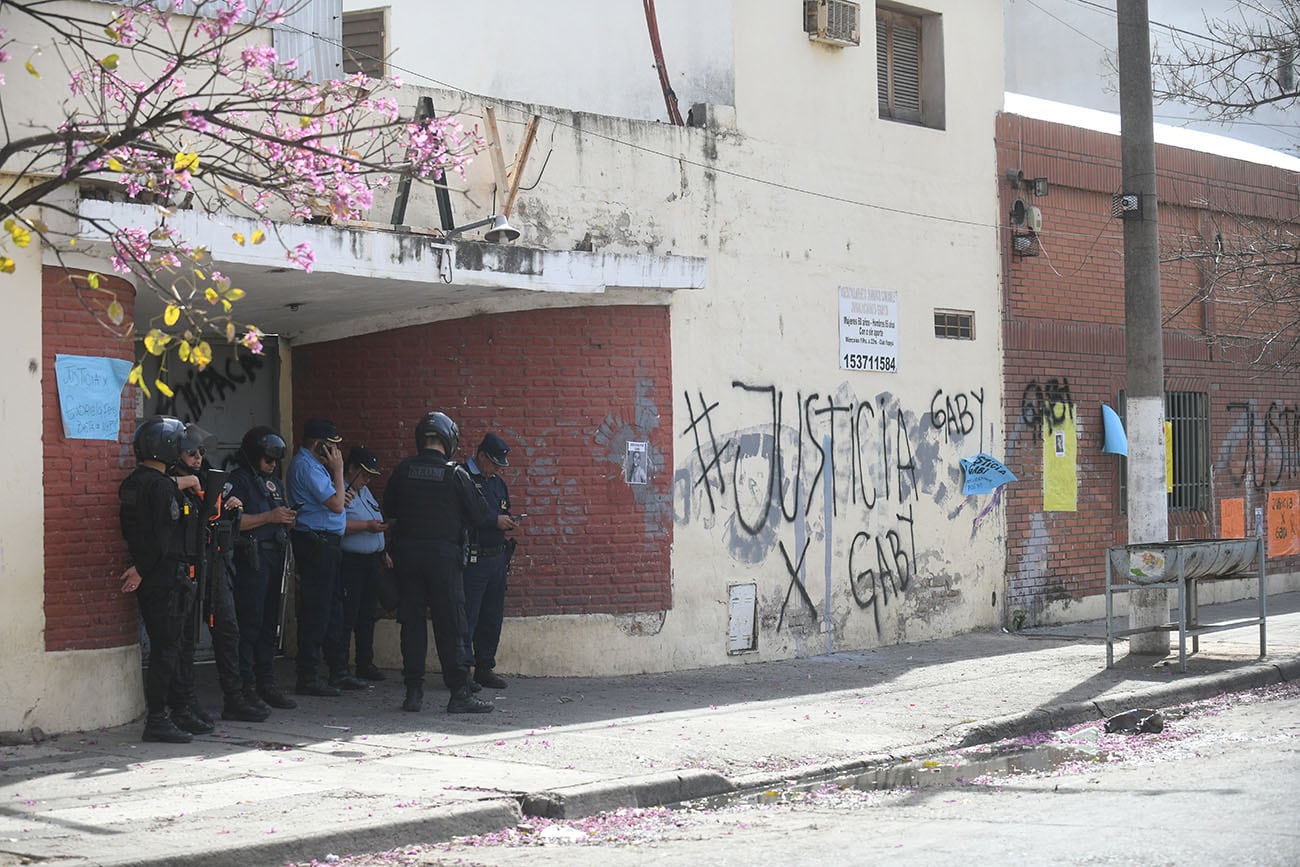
(428, 505)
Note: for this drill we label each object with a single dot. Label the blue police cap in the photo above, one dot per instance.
(321, 429)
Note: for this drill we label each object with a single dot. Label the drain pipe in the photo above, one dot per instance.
(670, 98)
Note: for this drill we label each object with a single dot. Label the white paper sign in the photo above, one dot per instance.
(869, 329)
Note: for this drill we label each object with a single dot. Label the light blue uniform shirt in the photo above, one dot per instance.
(309, 482)
(363, 508)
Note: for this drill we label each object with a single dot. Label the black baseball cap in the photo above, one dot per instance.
(360, 456)
(321, 429)
(496, 449)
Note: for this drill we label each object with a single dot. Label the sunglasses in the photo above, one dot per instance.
(196, 453)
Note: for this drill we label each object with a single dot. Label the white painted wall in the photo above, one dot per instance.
(591, 55)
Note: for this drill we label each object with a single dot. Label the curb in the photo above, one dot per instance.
(653, 790)
(441, 823)
(1158, 695)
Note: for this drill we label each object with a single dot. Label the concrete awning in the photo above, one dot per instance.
(373, 278)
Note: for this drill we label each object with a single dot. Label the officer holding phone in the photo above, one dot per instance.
(316, 480)
(485, 574)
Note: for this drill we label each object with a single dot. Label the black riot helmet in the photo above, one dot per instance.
(158, 438)
(437, 424)
(261, 442)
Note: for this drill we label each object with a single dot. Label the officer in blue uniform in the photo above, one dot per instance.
(430, 504)
(261, 562)
(485, 575)
(316, 481)
(152, 515)
(363, 558)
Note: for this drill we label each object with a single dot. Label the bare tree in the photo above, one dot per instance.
(190, 110)
(1243, 62)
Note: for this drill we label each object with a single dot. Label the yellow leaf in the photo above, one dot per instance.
(92, 280)
(137, 376)
(225, 305)
(171, 316)
(259, 236)
(230, 332)
(303, 121)
(185, 162)
(183, 351)
(156, 341)
(239, 239)
(110, 63)
(31, 70)
(115, 312)
(22, 237)
(114, 164)
(6, 265)
(234, 294)
(164, 388)
(211, 295)
(201, 355)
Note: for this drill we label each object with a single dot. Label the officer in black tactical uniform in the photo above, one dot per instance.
(261, 562)
(152, 514)
(429, 503)
(217, 528)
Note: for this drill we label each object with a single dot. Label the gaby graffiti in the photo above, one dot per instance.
(828, 470)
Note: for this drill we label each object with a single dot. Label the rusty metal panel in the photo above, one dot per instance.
(1157, 562)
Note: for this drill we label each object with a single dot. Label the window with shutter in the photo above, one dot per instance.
(364, 42)
(899, 65)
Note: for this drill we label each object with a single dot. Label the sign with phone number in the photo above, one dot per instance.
(869, 329)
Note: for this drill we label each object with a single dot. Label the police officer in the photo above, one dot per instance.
(429, 501)
(217, 530)
(316, 481)
(363, 558)
(151, 512)
(261, 562)
(485, 575)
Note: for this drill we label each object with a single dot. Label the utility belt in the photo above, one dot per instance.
(322, 540)
(254, 550)
(486, 550)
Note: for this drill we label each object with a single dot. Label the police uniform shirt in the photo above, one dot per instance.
(150, 510)
(311, 484)
(431, 498)
(363, 508)
(259, 493)
(497, 495)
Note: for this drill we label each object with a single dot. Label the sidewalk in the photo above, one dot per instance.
(356, 774)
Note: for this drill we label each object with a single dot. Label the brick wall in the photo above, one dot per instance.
(84, 551)
(567, 389)
(1063, 335)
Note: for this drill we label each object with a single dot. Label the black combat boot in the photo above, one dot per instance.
(238, 708)
(317, 687)
(464, 700)
(187, 721)
(270, 693)
(160, 728)
(253, 700)
(414, 698)
(343, 680)
(197, 711)
(489, 678)
(370, 671)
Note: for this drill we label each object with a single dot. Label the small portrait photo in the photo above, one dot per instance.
(636, 464)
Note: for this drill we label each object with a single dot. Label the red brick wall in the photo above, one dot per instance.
(1064, 341)
(567, 389)
(84, 551)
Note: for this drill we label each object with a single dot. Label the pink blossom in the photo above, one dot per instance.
(302, 256)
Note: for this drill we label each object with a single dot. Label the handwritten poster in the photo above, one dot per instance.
(1232, 518)
(1283, 523)
(984, 474)
(90, 395)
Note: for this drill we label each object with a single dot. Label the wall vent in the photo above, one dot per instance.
(832, 22)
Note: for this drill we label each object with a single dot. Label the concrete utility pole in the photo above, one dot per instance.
(1148, 509)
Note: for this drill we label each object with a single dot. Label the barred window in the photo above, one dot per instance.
(954, 324)
(1188, 416)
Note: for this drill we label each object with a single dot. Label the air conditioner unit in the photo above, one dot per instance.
(832, 22)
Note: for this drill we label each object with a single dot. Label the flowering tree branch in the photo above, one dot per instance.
(194, 111)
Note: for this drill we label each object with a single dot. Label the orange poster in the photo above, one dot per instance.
(1283, 523)
(1232, 519)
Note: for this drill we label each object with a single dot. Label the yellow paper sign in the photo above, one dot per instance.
(1060, 462)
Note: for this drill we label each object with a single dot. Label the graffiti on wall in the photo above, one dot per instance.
(212, 385)
(809, 459)
(1263, 449)
(1047, 404)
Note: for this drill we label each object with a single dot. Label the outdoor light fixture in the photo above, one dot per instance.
(500, 231)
